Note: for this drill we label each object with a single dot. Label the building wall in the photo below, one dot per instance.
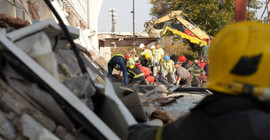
(82, 14)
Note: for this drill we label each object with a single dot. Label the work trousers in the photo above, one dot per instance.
(196, 81)
(170, 77)
(186, 82)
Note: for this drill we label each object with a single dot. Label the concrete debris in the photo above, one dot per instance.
(157, 89)
(38, 46)
(11, 101)
(71, 105)
(152, 32)
(6, 129)
(63, 134)
(36, 96)
(82, 88)
(34, 130)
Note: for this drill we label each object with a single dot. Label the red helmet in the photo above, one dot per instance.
(182, 59)
(138, 64)
(127, 56)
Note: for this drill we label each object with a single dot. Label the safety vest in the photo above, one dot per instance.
(159, 54)
(121, 55)
(170, 64)
(131, 61)
(145, 51)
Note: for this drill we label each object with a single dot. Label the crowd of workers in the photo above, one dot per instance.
(153, 66)
(239, 107)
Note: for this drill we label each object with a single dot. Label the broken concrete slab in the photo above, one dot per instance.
(11, 101)
(37, 97)
(34, 130)
(6, 128)
(63, 134)
(157, 89)
(72, 105)
(134, 105)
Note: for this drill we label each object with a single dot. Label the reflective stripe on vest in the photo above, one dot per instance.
(135, 75)
(171, 65)
(159, 53)
(197, 72)
(121, 55)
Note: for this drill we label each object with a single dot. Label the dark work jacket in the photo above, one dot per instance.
(135, 73)
(218, 117)
(225, 117)
(186, 65)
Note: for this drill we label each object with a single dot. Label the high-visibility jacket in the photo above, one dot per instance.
(135, 73)
(131, 61)
(171, 66)
(159, 54)
(196, 70)
(120, 55)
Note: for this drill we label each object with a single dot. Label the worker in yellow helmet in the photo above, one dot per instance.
(239, 107)
(146, 60)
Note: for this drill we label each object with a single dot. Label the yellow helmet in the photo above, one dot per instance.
(147, 56)
(131, 66)
(239, 56)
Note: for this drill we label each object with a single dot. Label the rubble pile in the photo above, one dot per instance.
(44, 94)
(30, 106)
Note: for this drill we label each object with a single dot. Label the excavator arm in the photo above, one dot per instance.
(170, 16)
(192, 39)
(176, 15)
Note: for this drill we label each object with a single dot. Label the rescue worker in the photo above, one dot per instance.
(134, 55)
(146, 60)
(203, 78)
(202, 63)
(144, 50)
(182, 75)
(152, 47)
(167, 71)
(152, 67)
(158, 55)
(182, 59)
(149, 79)
(239, 107)
(136, 76)
(130, 60)
(196, 71)
(121, 61)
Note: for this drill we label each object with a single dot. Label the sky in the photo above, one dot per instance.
(124, 16)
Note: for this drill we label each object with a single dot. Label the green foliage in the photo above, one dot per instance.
(177, 48)
(209, 15)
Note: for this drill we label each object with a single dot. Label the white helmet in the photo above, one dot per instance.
(142, 45)
(153, 46)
